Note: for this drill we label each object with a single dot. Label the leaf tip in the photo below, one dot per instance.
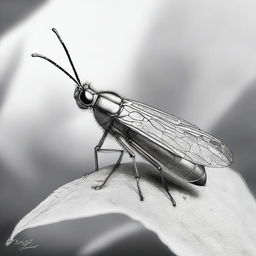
(9, 241)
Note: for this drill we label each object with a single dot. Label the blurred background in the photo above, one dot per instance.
(196, 60)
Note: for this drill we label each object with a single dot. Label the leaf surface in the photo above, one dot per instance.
(217, 219)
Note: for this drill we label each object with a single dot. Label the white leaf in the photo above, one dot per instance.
(217, 219)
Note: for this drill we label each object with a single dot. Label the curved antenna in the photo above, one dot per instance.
(66, 50)
(56, 65)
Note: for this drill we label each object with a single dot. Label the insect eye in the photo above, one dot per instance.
(86, 98)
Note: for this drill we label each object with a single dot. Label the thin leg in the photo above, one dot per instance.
(132, 155)
(154, 163)
(114, 168)
(97, 149)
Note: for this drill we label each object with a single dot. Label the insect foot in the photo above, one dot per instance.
(170, 197)
(139, 190)
(97, 187)
(173, 201)
(141, 197)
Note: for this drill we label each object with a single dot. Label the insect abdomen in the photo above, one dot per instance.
(178, 166)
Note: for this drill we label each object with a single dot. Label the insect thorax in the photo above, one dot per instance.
(106, 107)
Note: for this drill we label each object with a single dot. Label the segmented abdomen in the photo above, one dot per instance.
(175, 165)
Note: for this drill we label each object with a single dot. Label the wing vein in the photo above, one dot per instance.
(175, 135)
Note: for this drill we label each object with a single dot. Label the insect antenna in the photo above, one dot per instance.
(56, 65)
(66, 50)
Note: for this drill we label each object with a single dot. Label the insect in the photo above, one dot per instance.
(164, 140)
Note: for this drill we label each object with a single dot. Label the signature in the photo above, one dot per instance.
(24, 245)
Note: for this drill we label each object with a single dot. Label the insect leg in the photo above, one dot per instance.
(132, 155)
(97, 149)
(154, 163)
(114, 168)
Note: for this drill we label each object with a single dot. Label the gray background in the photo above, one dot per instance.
(156, 62)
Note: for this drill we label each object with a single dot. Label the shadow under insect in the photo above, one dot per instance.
(149, 174)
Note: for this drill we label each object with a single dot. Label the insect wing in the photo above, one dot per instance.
(174, 134)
